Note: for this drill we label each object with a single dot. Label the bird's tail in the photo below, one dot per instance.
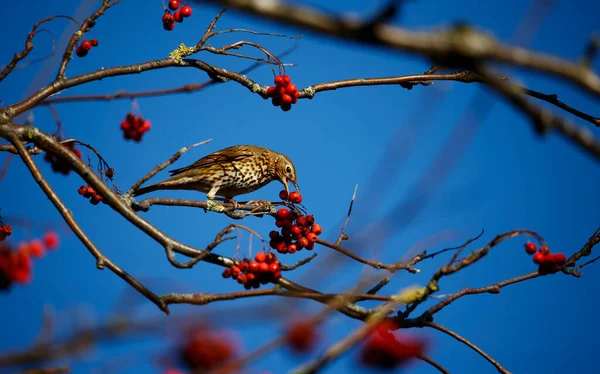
(145, 190)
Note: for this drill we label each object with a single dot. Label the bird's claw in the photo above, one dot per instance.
(234, 203)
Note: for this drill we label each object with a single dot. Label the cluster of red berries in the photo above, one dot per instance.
(384, 350)
(294, 197)
(297, 231)
(134, 127)
(16, 266)
(169, 19)
(5, 230)
(85, 47)
(284, 93)
(301, 336)
(264, 269)
(89, 193)
(548, 262)
(58, 164)
(206, 349)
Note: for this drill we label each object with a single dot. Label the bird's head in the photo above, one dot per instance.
(286, 171)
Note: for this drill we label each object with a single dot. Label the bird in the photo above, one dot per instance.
(229, 172)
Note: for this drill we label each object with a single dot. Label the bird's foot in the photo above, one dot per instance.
(213, 206)
(234, 203)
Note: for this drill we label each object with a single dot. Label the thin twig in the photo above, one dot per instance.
(447, 331)
(343, 235)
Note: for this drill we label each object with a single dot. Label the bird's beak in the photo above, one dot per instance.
(296, 186)
(284, 181)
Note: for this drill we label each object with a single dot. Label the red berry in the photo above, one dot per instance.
(96, 199)
(177, 16)
(251, 277)
(235, 272)
(110, 172)
(274, 268)
(168, 26)
(86, 45)
(274, 234)
(243, 266)
(271, 258)
(94, 42)
(82, 190)
(295, 197)
(271, 91)
(286, 99)
(316, 229)
(263, 267)
(260, 257)
(51, 240)
(291, 89)
(286, 231)
(283, 213)
(295, 98)
(283, 195)
(310, 245)
(186, 11)
(301, 221)
(130, 118)
(274, 243)
(292, 248)
(279, 80)
(80, 52)
(310, 220)
(281, 247)
(302, 242)
(539, 258)
(560, 259)
(530, 248)
(276, 101)
(277, 275)
(227, 273)
(301, 336)
(36, 248)
(242, 279)
(168, 18)
(311, 237)
(253, 266)
(286, 80)
(173, 4)
(296, 230)
(286, 107)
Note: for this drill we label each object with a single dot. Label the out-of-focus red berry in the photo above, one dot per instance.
(51, 240)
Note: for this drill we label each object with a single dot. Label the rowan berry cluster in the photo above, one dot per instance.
(297, 231)
(384, 350)
(169, 19)
(207, 349)
(5, 230)
(85, 47)
(58, 164)
(264, 269)
(284, 93)
(89, 193)
(16, 266)
(134, 127)
(548, 262)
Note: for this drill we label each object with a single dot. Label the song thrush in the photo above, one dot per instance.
(229, 172)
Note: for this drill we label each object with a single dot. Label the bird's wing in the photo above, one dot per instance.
(235, 153)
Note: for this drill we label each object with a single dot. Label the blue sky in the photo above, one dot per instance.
(506, 178)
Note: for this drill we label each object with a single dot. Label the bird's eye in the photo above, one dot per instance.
(288, 169)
